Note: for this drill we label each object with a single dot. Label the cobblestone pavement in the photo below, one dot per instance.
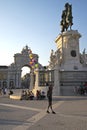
(71, 114)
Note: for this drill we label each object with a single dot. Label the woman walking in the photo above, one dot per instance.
(49, 96)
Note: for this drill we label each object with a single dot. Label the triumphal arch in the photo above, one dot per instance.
(10, 76)
(20, 60)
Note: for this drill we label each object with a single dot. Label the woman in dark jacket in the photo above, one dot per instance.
(49, 96)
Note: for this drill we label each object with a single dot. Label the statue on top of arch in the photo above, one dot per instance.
(67, 18)
(25, 50)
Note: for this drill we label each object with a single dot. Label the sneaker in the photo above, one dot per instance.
(48, 111)
(53, 112)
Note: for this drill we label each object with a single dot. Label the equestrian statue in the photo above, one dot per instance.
(67, 18)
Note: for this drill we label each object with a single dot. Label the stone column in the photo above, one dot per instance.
(36, 79)
(31, 80)
(56, 90)
(8, 80)
(16, 80)
(19, 79)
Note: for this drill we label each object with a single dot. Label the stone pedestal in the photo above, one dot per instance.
(68, 45)
(71, 72)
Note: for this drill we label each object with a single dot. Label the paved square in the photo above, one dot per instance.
(71, 114)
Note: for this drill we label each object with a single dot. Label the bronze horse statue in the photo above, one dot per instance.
(66, 21)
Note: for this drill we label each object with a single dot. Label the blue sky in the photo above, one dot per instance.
(36, 23)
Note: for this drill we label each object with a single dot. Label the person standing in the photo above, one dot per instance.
(49, 96)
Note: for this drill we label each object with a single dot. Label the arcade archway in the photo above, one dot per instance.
(24, 59)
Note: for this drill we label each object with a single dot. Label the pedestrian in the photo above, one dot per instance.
(49, 96)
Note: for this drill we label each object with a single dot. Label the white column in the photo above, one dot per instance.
(36, 79)
(31, 80)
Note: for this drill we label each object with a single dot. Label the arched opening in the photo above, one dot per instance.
(25, 77)
(25, 70)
